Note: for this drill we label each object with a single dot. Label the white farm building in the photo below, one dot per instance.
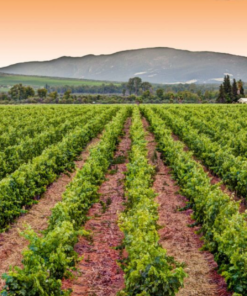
(243, 101)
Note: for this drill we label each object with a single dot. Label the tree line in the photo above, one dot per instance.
(230, 92)
(133, 90)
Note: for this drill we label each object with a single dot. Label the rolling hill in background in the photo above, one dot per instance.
(156, 65)
(39, 81)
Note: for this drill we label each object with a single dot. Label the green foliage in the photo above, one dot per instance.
(160, 93)
(223, 227)
(148, 270)
(42, 92)
(221, 96)
(67, 94)
(146, 86)
(146, 94)
(230, 93)
(227, 89)
(53, 95)
(29, 180)
(13, 156)
(50, 257)
(235, 96)
(20, 92)
(38, 82)
(29, 92)
(220, 143)
(134, 85)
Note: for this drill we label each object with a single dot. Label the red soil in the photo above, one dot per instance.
(177, 238)
(11, 242)
(99, 273)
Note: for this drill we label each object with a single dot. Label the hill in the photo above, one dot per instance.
(156, 65)
(8, 80)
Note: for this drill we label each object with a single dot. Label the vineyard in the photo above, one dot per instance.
(145, 200)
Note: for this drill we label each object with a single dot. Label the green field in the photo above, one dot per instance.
(124, 158)
(7, 81)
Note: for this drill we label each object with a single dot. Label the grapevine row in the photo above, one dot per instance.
(50, 257)
(33, 127)
(148, 269)
(227, 133)
(223, 227)
(30, 180)
(16, 155)
(232, 170)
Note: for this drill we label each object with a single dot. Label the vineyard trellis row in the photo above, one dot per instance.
(38, 143)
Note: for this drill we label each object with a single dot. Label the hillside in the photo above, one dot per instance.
(8, 80)
(156, 65)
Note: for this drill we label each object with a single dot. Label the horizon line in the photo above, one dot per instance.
(122, 51)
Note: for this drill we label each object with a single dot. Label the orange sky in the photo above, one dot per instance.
(47, 29)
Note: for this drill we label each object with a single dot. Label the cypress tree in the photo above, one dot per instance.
(221, 96)
(242, 91)
(227, 89)
(234, 91)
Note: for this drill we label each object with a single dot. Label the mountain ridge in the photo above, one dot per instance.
(157, 65)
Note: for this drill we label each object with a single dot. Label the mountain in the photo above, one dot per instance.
(156, 65)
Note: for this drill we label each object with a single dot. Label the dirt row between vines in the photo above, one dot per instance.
(177, 238)
(99, 273)
(11, 242)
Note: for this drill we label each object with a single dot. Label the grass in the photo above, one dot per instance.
(4, 89)
(8, 80)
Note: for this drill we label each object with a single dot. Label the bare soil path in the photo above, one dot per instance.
(99, 273)
(177, 238)
(11, 242)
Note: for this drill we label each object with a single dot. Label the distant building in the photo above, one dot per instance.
(243, 101)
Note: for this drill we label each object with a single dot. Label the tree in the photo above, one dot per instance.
(53, 95)
(227, 89)
(221, 96)
(42, 92)
(160, 93)
(134, 85)
(171, 97)
(207, 95)
(180, 98)
(146, 94)
(20, 92)
(29, 91)
(47, 86)
(137, 84)
(240, 87)
(67, 94)
(17, 92)
(146, 86)
(234, 91)
(131, 98)
(130, 86)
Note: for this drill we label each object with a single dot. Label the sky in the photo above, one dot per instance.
(37, 30)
